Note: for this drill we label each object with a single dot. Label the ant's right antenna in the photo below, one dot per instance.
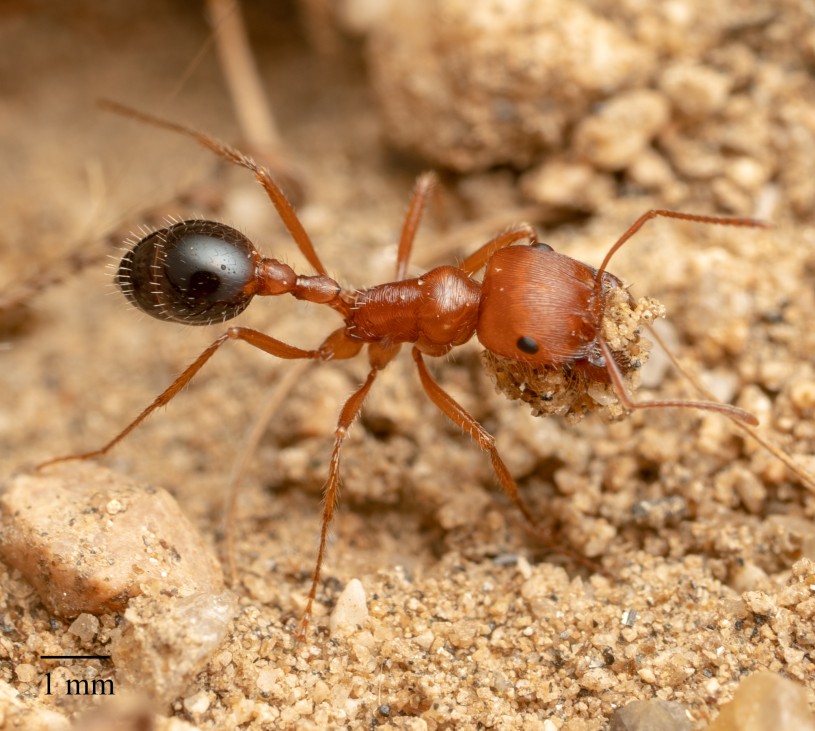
(640, 222)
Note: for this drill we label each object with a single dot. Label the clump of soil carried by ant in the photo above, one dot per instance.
(565, 391)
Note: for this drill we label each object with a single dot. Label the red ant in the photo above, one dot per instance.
(536, 311)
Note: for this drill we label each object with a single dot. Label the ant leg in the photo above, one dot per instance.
(253, 337)
(481, 256)
(255, 114)
(645, 217)
(230, 154)
(798, 470)
(349, 413)
(426, 184)
(734, 413)
(454, 411)
(464, 421)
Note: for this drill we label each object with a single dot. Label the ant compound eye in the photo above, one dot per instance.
(194, 272)
(540, 246)
(527, 345)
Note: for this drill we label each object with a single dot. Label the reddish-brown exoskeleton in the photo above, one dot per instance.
(539, 310)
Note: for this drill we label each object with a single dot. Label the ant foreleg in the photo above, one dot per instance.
(468, 424)
(731, 412)
(464, 421)
(481, 256)
(253, 337)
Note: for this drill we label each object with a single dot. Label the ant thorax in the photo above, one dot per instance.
(577, 388)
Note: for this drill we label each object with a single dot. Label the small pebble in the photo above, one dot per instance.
(647, 676)
(659, 512)
(613, 138)
(351, 610)
(165, 640)
(766, 702)
(26, 672)
(802, 395)
(114, 507)
(88, 539)
(567, 184)
(800, 532)
(748, 577)
(759, 603)
(695, 90)
(655, 715)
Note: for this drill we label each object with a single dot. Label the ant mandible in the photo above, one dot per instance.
(535, 311)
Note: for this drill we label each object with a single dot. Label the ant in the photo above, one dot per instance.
(539, 315)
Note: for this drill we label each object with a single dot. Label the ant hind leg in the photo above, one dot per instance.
(253, 337)
(284, 209)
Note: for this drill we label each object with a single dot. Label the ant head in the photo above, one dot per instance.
(557, 334)
(193, 272)
(541, 307)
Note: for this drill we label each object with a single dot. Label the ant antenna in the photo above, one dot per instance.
(802, 473)
(734, 413)
(656, 213)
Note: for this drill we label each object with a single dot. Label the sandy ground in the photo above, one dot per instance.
(473, 623)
